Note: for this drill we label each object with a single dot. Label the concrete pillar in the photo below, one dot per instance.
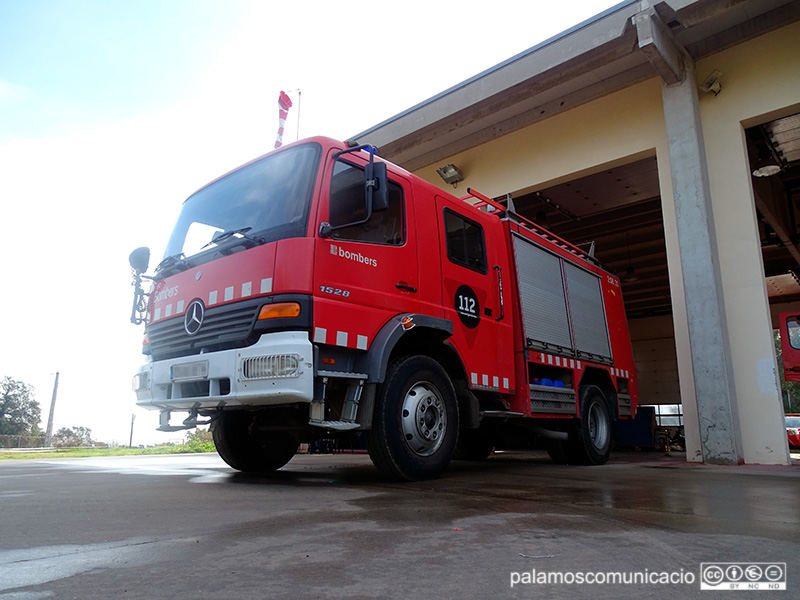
(720, 433)
(717, 415)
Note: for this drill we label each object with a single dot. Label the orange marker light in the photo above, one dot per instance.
(408, 323)
(279, 311)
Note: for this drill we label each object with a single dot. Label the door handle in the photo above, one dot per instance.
(408, 288)
(500, 293)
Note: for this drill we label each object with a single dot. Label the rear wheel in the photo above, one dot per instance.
(415, 424)
(590, 439)
(248, 449)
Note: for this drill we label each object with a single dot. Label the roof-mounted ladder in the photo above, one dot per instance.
(508, 211)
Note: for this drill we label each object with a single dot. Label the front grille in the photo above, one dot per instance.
(226, 326)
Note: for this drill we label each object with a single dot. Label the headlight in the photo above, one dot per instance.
(272, 366)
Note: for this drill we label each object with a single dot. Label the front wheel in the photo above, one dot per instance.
(415, 424)
(246, 448)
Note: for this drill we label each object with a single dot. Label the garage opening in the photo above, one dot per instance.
(773, 149)
(617, 211)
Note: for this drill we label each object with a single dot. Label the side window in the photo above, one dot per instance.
(347, 205)
(793, 326)
(465, 243)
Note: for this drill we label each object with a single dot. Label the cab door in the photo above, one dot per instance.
(790, 345)
(367, 273)
(473, 267)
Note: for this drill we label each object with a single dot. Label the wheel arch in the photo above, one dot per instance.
(601, 379)
(400, 332)
(428, 337)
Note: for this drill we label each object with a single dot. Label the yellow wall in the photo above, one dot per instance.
(619, 128)
(761, 80)
(656, 360)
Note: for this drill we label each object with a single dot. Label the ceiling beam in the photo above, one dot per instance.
(771, 219)
(659, 46)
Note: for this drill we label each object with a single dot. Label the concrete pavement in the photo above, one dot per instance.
(330, 527)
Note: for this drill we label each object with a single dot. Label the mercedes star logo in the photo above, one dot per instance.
(194, 317)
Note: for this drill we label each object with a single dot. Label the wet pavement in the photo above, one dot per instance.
(330, 527)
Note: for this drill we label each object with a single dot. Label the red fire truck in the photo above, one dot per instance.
(319, 291)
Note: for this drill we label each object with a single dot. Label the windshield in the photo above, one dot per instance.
(269, 199)
(793, 421)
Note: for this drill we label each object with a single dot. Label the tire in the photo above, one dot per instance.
(473, 445)
(590, 436)
(415, 424)
(246, 449)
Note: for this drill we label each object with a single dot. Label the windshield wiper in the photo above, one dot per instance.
(176, 260)
(241, 233)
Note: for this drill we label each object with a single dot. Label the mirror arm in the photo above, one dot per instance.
(372, 150)
(139, 308)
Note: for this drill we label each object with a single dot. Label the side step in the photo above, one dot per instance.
(189, 422)
(349, 411)
(335, 425)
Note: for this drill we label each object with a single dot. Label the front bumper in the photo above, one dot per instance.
(278, 369)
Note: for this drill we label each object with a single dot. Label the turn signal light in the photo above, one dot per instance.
(141, 381)
(279, 310)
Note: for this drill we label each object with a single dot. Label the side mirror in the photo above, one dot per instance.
(376, 191)
(140, 260)
(376, 182)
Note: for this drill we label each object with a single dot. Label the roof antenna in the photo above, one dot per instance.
(299, 98)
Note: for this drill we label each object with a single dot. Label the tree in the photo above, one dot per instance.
(19, 411)
(200, 440)
(72, 437)
(199, 435)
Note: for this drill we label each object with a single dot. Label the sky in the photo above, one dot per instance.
(112, 112)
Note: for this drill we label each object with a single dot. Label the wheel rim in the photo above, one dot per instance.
(599, 433)
(424, 418)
